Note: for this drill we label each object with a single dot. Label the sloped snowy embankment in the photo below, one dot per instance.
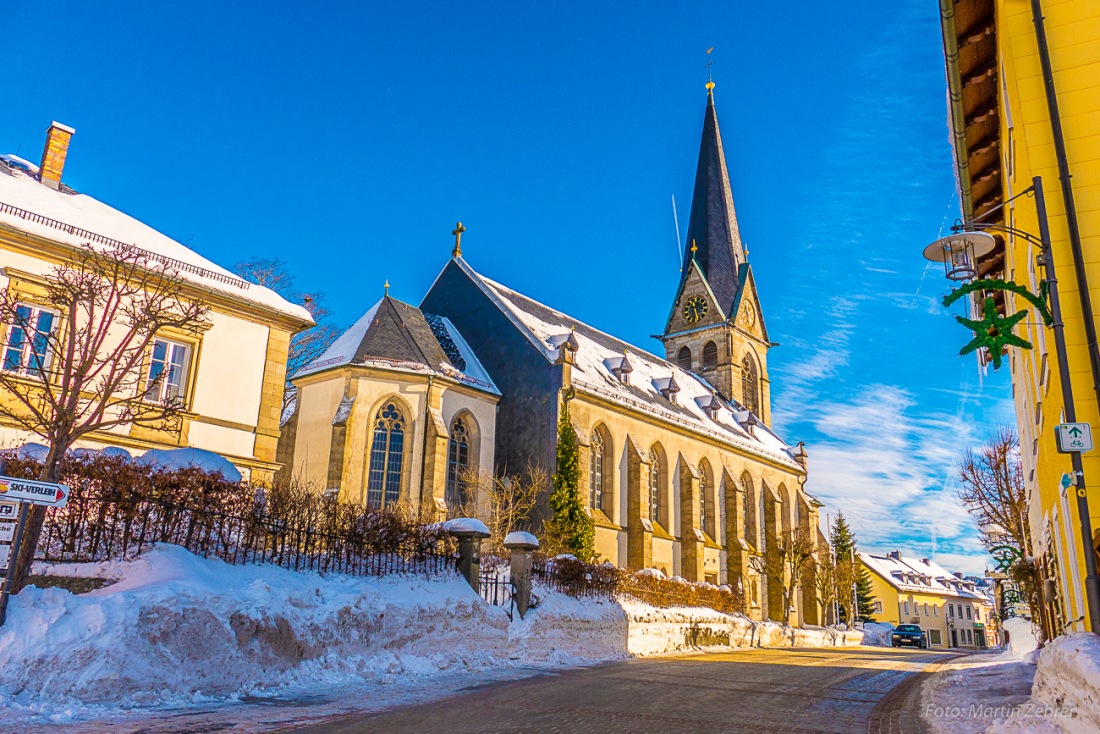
(178, 629)
(1067, 682)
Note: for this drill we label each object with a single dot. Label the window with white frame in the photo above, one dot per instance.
(878, 606)
(968, 612)
(167, 377)
(905, 605)
(27, 346)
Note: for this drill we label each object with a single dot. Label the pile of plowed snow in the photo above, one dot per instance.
(176, 627)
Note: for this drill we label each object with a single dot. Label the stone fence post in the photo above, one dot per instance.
(521, 544)
(469, 533)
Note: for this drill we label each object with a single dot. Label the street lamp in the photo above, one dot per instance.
(972, 235)
(959, 253)
(994, 532)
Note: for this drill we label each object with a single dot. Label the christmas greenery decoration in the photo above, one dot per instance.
(571, 528)
(993, 332)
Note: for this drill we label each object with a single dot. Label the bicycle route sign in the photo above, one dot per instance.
(34, 492)
(1074, 438)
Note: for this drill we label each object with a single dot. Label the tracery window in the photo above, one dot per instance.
(458, 464)
(387, 450)
(704, 487)
(750, 395)
(654, 485)
(746, 509)
(710, 356)
(761, 522)
(683, 359)
(596, 471)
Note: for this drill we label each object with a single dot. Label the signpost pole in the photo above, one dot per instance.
(16, 544)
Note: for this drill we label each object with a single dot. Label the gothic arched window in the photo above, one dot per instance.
(750, 390)
(748, 508)
(655, 485)
(596, 470)
(387, 449)
(710, 356)
(761, 521)
(704, 488)
(683, 359)
(458, 464)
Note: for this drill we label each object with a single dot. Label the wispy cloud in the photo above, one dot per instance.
(869, 380)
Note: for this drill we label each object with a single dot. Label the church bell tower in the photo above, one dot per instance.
(716, 328)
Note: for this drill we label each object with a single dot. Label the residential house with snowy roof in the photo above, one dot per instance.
(953, 611)
(229, 378)
(682, 470)
(397, 410)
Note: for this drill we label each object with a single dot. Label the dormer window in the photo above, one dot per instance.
(713, 406)
(622, 369)
(669, 388)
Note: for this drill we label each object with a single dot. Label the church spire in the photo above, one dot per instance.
(713, 223)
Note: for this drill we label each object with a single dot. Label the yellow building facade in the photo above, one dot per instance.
(951, 610)
(1005, 132)
(230, 376)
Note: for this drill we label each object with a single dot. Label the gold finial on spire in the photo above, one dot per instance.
(457, 232)
(710, 63)
(387, 286)
(694, 248)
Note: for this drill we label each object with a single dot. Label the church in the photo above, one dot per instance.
(682, 471)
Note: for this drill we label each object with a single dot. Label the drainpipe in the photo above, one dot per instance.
(1067, 198)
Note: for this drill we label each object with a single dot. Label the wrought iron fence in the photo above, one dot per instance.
(372, 545)
(496, 589)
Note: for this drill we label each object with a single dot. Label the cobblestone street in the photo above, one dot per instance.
(757, 690)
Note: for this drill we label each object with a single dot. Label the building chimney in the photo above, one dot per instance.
(53, 155)
(896, 555)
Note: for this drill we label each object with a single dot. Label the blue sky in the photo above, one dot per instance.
(348, 138)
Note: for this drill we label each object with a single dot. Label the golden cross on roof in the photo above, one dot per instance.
(694, 248)
(387, 286)
(710, 63)
(457, 232)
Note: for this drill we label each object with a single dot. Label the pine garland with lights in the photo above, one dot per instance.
(993, 332)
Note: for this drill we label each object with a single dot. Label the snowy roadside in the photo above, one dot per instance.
(177, 637)
(1019, 690)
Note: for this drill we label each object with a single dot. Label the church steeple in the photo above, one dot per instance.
(716, 328)
(713, 223)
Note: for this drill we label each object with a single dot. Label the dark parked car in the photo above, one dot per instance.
(908, 634)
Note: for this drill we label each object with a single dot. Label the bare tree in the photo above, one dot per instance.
(504, 504)
(992, 486)
(305, 346)
(826, 581)
(992, 490)
(79, 356)
(786, 562)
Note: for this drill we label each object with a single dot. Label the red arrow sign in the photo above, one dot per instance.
(35, 492)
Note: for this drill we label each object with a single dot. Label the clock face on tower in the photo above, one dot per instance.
(695, 309)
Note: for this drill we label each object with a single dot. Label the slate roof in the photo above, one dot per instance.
(399, 336)
(713, 223)
(599, 355)
(920, 575)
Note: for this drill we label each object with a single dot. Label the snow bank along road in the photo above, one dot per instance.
(794, 691)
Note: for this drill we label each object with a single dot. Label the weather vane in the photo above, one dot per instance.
(710, 63)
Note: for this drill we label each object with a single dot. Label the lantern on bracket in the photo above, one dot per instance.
(959, 253)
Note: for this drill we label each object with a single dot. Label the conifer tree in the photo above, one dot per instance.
(571, 529)
(850, 571)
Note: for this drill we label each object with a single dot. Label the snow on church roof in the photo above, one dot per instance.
(78, 219)
(599, 353)
(398, 336)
